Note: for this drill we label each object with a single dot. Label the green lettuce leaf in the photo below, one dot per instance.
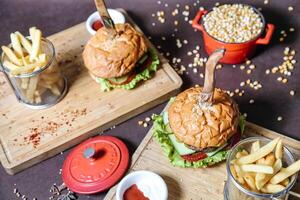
(160, 133)
(146, 74)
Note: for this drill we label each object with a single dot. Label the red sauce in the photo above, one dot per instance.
(97, 25)
(133, 193)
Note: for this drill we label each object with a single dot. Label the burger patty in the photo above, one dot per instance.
(231, 142)
(138, 69)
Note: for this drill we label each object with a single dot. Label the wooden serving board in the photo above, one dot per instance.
(84, 111)
(194, 184)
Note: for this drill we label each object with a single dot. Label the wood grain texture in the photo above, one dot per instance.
(194, 184)
(85, 111)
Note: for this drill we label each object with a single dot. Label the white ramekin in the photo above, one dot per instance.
(116, 16)
(150, 183)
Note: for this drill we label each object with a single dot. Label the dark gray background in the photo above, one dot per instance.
(273, 100)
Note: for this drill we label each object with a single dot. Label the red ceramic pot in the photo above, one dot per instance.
(235, 52)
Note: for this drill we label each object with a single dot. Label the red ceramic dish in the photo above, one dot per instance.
(235, 52)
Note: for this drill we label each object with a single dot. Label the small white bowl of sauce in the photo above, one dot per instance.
(93, 23)
(146, 185)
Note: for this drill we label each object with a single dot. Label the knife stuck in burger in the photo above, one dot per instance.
(200, 124)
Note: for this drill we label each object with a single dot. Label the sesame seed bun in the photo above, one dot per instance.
(203, 127)
(110, 58)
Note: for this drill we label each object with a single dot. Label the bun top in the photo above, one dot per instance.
(203, 127)
(110, 58)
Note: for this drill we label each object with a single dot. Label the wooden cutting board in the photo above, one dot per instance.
(194, 184)
(84, 111)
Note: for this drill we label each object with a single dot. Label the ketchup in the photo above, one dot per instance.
(133, 193)
(97, 25)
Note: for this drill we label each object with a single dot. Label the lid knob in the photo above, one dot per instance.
(89, 153)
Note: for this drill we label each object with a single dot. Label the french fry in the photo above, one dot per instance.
(37, 99)
(261, 180)
(15, 43)
(233, 172)
(50, 77)
(244, 152)
(250, 181)
(25, 43)
(260, 153)
(54, 89)
(285, 182)
(272, 188)
(270, 159)
(24, 83)
(261, 161)
(285, 172)
(257, 168)
(36, 36)
(31, 88)
(12, 56)
(42, 58)
(238, 155)
(9, 65)
(255, 146)
(279, 150)
(40, 90)
(239, 173)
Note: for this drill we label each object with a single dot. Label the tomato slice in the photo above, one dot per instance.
(235, 139)
(194, 157)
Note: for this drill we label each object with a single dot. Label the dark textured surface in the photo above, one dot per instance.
(273, 100)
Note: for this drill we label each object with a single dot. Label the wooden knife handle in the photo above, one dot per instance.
(206, 96)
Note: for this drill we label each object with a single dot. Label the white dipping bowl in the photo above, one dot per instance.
(116, 16)
(151, 184)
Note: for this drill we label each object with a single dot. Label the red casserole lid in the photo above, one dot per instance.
(95, 165)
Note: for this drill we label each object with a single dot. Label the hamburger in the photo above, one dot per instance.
(200, 124)
(121, 61)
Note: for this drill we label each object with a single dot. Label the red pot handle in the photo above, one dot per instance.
(197, 18)
(267, 38)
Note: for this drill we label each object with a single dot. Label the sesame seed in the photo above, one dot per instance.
(248, 62)
(267, 71)
(249, 71)
(242, 67)
(145, 124)
(242, 84)
(279, 118)
(251, 101)
(147, 119)
(140, 122)
(290, 8)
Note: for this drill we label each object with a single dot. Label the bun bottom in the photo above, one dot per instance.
(93, 77)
